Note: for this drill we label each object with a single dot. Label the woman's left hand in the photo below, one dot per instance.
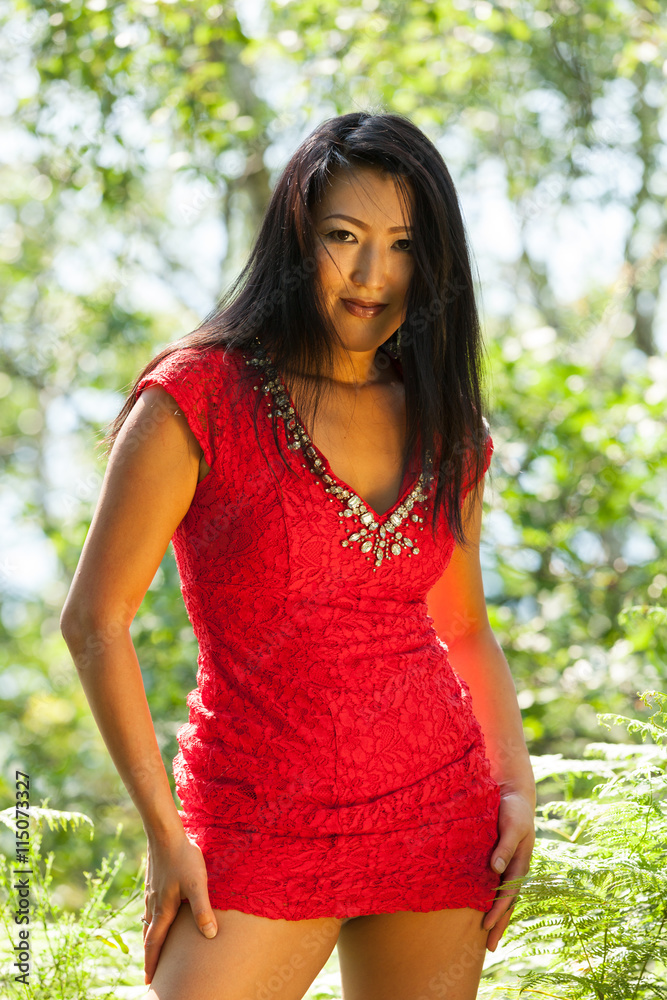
(516, 825)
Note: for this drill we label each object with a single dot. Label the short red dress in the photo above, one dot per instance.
(332, 764)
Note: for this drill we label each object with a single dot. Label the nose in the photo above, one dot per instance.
(369, 268)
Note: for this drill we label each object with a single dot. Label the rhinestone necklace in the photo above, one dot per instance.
(379, 537)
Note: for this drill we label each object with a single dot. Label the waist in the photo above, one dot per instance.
(242, 616)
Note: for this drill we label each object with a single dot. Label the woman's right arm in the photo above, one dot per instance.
(148, 487)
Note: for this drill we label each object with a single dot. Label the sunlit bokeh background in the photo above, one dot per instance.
(139, 143)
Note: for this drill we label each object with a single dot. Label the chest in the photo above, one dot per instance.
(362, 436)
(304, 523)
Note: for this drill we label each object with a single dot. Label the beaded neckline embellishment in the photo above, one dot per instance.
(378, 537)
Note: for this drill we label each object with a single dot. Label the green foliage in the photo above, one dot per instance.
(575, 608)
(71, 952)
(592, 912)
(131, 125)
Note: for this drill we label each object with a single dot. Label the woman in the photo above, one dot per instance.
(316, 450)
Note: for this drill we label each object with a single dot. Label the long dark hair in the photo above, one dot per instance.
(277, 298)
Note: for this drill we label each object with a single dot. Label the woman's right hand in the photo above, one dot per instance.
(175, 870)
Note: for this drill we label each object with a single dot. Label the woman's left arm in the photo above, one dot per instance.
(458, 608)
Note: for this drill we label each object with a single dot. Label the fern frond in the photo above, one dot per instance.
(656, 732)
(623, 751)
(54, 818)
(556, 979)
(551, 765)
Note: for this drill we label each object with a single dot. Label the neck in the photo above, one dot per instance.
(359, 369)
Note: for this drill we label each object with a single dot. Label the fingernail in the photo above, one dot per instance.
(209, 930)
(499, 865)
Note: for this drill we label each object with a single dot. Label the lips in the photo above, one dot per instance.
(365, 309)
(367, 303)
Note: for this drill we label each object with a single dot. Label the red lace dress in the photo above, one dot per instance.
(332, 764)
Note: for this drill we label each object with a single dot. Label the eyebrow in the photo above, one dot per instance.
(358, 222)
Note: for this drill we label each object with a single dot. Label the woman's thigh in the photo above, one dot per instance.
(250, 958)
(413, 956)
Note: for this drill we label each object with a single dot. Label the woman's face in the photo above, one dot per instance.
(365, 255)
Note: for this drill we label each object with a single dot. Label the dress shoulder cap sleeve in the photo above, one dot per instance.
(488, 444)
(195, 379)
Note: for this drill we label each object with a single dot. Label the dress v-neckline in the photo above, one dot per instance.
(404, 490)
(379, 537)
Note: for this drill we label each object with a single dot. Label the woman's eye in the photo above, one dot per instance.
(337, 235)
(337, 232)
